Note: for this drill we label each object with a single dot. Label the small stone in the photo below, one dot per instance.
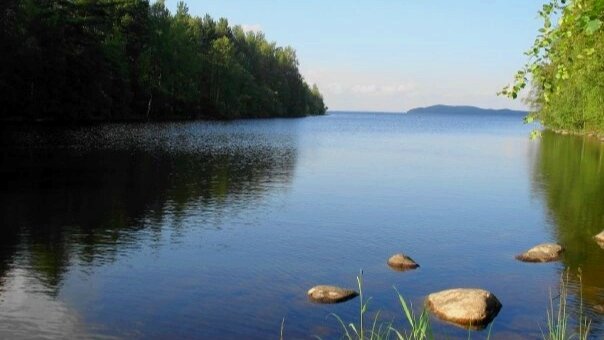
(467, 307)
(402, 262)
(546, 252)
(599, 308)
(600, 239)
(330, 294)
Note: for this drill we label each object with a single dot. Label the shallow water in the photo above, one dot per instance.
(217, 230)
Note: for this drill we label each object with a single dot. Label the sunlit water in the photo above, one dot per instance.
(217, 230)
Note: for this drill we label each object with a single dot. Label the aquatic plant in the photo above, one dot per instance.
(419, 325)
(558, 318)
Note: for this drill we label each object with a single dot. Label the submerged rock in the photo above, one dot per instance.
(330, 294)
(600, 238)
(467, 307)
(599, 308)
(401, 262)
(546, 252)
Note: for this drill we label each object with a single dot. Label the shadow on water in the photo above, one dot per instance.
(569, 175)
(82, 195)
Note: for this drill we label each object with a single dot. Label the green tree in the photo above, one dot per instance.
(566, 68)
(74, 60)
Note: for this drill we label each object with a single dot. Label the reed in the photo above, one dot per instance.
(558, 314)
(419, 327)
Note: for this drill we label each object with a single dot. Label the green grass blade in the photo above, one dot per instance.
(346, 333)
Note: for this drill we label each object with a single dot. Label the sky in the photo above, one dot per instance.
(394, 55)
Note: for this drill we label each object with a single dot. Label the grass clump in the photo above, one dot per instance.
(558, 316)
(419, 325)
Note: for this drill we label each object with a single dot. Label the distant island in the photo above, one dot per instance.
(466, 110)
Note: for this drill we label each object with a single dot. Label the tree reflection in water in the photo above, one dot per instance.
(569, 175)
(83, 195)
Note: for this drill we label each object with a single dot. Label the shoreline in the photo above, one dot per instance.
(591, 134)
(84, 122)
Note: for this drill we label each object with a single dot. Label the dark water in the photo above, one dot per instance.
(217, 230)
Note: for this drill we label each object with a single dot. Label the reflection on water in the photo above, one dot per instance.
(569, 174)
(217, 230)
(81, 197)
(28, 308)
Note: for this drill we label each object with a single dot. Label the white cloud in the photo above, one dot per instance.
(364, 89)
(404, 88)
(256, 28)
(384, 90)
(335, 88)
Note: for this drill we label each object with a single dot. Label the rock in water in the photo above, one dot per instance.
(330, 294)
(600, 239)
(599, 308)
(546, 252)
(402, 262)
(467, 307)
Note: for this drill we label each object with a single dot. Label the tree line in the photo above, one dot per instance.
(74, 60)
(566, 67)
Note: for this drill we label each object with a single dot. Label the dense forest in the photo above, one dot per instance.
(76, 60)
(566, 67)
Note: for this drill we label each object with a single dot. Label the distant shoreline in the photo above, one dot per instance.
(445, 109)
(464, 109)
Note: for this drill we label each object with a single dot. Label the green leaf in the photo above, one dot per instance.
(535, 134)
(592, 26)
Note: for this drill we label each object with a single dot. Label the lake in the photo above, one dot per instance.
(218, 229)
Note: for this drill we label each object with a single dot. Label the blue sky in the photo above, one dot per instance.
(393, 55)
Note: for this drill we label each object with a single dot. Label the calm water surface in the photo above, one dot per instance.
(217, 230)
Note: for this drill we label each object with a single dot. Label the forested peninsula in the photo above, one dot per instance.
(115, 60)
